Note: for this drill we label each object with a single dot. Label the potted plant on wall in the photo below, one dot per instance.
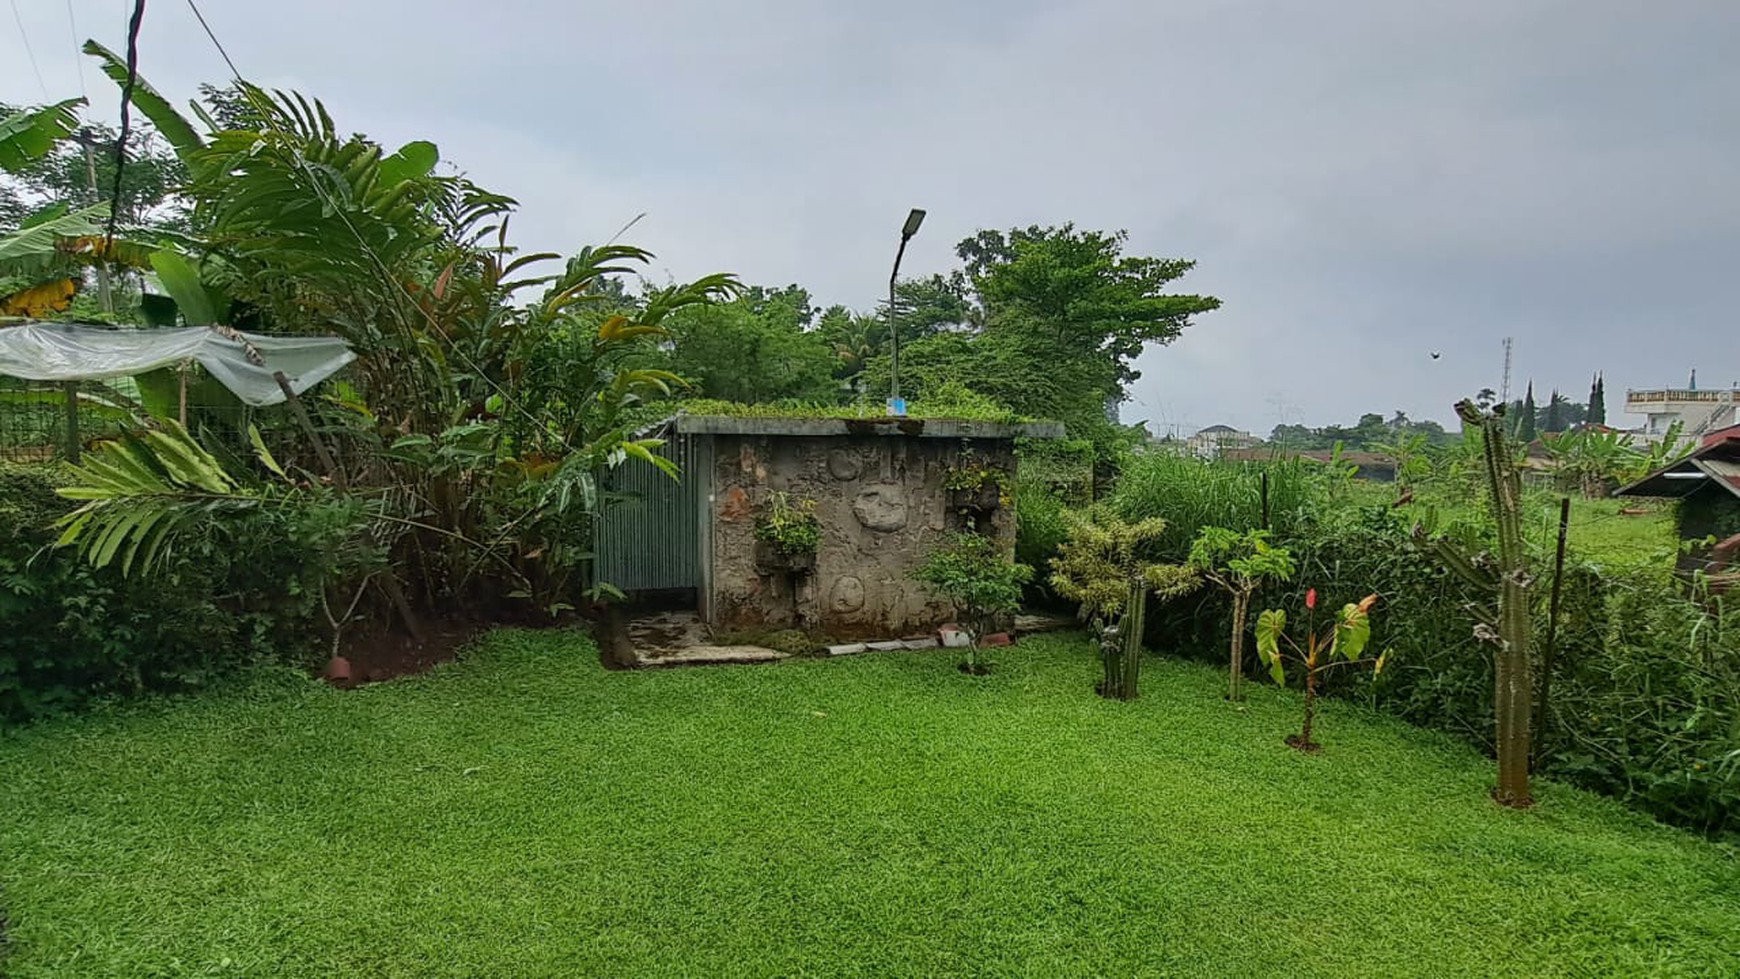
(973, 484)
(787, 535)
(980, 581)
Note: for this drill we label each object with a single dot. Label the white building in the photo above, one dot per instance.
(1697, 411)
(1211, 441)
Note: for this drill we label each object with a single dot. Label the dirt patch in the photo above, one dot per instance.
(379, 655)
(1299, 744)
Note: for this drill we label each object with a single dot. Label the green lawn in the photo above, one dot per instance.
(1598, 532)
(525, 813)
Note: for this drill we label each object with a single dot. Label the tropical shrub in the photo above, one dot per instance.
(1239, 564)
(972, 574)
(1101, 566)
(228, 593)
(790, 526)
(1041, 523)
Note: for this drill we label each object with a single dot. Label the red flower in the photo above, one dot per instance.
(1310, 598)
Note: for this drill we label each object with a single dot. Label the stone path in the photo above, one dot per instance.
(682, 639)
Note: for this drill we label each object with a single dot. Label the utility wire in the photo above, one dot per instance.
(24, 36)
(72, 24)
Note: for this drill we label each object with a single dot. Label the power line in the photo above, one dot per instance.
(24, 36)
(72, 24)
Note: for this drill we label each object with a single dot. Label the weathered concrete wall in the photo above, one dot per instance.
(882, 504)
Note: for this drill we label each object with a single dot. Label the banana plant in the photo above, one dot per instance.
(1348, 635)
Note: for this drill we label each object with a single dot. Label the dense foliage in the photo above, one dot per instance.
(231, 593)
(969, 571)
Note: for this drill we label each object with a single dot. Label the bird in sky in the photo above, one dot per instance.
(1435, 355)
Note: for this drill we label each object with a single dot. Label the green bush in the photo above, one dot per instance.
(1041, 523)
(70, 633)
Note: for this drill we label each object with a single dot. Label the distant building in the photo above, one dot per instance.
(1698, 412)
(1210, 442)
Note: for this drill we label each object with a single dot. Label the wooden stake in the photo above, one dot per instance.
(1549, 650)
(326, 460)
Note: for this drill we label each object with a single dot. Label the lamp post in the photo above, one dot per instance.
(896, 406)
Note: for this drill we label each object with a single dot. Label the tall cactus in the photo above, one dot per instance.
(1121, 646)
(1507, 577)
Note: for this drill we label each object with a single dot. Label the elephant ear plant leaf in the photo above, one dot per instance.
(1344, 645)
(1239, 564)
(1101, 567)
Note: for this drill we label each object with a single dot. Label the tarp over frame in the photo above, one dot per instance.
(79, 352)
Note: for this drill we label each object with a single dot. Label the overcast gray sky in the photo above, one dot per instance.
(1361, 181)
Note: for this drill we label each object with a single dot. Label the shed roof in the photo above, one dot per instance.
(951, 428)
(1716, 463)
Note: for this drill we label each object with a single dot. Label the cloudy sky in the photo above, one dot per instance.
(1361, 181)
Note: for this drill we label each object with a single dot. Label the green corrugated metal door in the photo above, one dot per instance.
(651, 539)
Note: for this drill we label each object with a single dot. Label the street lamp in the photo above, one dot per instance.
(895, 405)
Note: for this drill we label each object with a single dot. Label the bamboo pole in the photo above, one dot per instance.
(1549, 649)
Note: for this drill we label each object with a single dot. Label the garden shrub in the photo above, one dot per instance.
(1645, 692)
(1041, 523)
(70, 633)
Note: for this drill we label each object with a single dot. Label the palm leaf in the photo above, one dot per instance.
(139, 493)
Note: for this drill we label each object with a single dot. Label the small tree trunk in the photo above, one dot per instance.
(1241, 604)
(1305, 742)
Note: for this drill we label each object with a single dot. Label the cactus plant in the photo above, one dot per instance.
(1505, 577)
(1100, 566)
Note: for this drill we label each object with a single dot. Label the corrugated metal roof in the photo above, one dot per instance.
(1723, 471)
(1718, 461)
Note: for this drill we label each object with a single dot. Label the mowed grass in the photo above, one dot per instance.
(526, 813)
(1599, 531)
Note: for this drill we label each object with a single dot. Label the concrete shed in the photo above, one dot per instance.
(881, 492)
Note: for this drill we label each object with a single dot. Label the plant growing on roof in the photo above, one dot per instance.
(1102, 567)
(1345, 641)
(1239, 564)
(789, 527)
(972, 573)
